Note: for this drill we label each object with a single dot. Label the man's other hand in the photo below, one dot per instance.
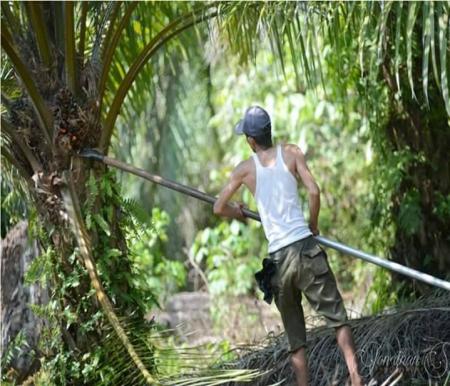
(240, 216)
(315, 231)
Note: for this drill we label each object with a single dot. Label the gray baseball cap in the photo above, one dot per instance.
(256, 122)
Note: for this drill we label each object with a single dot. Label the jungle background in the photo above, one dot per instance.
(98, 279)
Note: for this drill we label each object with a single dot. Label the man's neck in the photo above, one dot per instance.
(259, 149)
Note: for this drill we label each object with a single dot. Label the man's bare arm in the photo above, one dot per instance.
(221, 206)
(312, 188)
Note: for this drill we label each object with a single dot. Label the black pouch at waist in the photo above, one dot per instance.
(264, 277)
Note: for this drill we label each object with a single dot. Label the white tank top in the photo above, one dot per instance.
(278, 204)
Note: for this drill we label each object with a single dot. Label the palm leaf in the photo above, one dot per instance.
(110, 48)
(314, 55)
(172, 29)
(70, 53)
(28, 155)
(294, 56)
(82, 28)
(42, 112)
(7, 154)
(443, 48)
(112, 24)
(10, 20)
(279, 43)
(109, 15)
(335, 34)
(365, 17)
(316, 46)
(8, 81)
(58, 11)
(39, 27)
(398, 36)
(411, 19)
(382, 30)
(426, 43)
(305, 61)
(372, 21)
(433, 44)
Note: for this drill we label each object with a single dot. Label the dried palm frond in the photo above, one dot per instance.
(407, 345)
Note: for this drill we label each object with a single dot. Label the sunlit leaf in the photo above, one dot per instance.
(412, 14)
(426, 43)
(443, 49)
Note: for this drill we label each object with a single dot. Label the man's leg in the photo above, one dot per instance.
(288, 299)
(345, 341)
(323, 295)
(300, 365)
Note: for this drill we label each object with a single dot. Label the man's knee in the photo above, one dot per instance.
(344, 336)
(343, 328)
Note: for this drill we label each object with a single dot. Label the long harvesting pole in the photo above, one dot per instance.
(392, 266)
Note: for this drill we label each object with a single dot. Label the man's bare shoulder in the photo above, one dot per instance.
(293, 150)
(243, 167)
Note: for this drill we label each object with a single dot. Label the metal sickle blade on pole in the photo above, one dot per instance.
(401, 269)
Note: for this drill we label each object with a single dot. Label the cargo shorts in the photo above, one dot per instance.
(302, 268)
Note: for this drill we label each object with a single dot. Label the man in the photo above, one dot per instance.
(299, 264)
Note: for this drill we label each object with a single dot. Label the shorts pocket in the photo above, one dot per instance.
(315, 258)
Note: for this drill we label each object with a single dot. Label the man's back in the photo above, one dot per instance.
(267, 158)
(277, 199)
(246, 174)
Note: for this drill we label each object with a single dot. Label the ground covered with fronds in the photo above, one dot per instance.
(410, 343)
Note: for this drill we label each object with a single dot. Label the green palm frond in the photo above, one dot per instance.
(13, 160)
(42, 111)
(443, 50)
(39, 26)
(69, 45)
(431, 16)
(82, 28)
(17, 140)
(8, 80)
(410, 21)
(107, 20)
(426, 42)
(110, 46)
(58, 34)
(171, 30)
(11, 19)
(397, 34)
